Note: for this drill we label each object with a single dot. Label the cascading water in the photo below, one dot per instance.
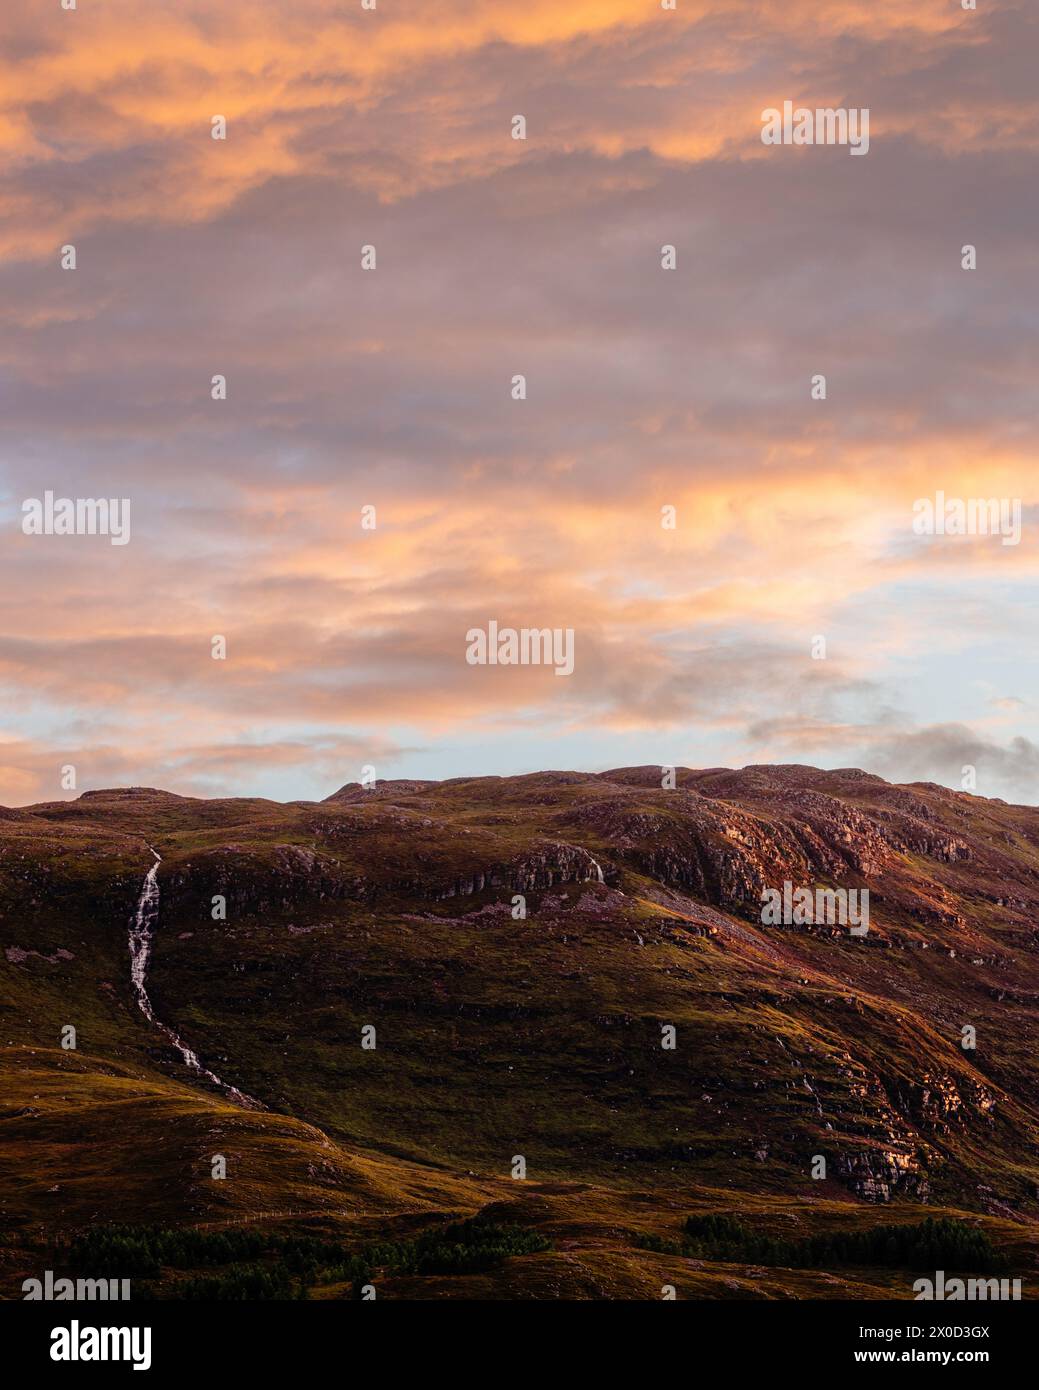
(141, 929)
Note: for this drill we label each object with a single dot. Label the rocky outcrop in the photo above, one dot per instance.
(878, 1175)
(285, 876)
(544, 868)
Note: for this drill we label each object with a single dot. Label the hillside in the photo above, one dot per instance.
(500, 1035)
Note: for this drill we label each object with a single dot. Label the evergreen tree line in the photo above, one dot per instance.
(930, 1244)
(259, 1265)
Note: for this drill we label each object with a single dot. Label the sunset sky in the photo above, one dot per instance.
(392, 388)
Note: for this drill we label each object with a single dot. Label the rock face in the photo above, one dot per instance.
(547, 866)
(879, 1175)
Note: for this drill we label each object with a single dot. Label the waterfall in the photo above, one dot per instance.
(141, 930)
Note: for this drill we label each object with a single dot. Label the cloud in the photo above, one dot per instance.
(942, 752)
(896, 750)
(32, 772)
(646, 388)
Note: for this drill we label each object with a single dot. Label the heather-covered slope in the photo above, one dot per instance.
(393, 908)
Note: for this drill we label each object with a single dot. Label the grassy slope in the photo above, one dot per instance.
(498, 1037)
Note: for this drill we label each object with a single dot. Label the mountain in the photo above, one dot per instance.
(526, 950)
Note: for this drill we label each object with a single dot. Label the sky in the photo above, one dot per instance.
(393, 388)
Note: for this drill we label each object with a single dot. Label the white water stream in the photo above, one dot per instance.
(141, 929)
